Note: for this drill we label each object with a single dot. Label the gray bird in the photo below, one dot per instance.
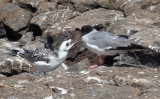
(102, 43)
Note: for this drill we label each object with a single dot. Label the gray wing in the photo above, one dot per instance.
(38, 55)
(106, 40)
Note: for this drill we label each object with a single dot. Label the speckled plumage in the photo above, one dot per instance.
(39, 55)
(45, 60)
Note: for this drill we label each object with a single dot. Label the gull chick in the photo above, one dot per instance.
(102, 43)
(45, 60)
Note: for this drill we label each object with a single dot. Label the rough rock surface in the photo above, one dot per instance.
(96, 17)
(14, 17)
(50, 18)
(2, 29)
(148, 37)
(82, 5)
(34, 3)
(99, 83)
(46, 6)
(155, 8)
(2, 2)
(130, 74)
(136, 23)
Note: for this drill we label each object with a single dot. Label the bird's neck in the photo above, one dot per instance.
(94, 30)
(62, 54)
(88, 34)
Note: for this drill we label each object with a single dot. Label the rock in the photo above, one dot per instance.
(63, 4)
(23, 80)
(79, 66)
(95, 17)
(135, 58)
(48, 42)
(34, 3)
(132, 24)
(37, 31)
(129, 6)
(29, 42)
(11, 65)
(28, 37)
(132, 75)
(148, 37)
(139, 27)
(132, 6)
(92, 17)
(82, 6)
(2, 29)
(100, 82)
(48, 19)
(14, 17)
(46, 6)
(62, 27)
(154, 7)
(126, 6)
(32, 45)
(63, 30)
(2, 2)
(7, 44)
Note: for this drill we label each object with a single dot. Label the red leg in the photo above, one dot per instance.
(97, 61)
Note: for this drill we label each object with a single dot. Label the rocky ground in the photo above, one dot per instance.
(27, 24)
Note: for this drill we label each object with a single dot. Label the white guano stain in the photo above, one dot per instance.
(153, 47)
(2, 63)
(93, 78)
(10, 60)
(55, 16)
(49, 97)
(141, 80)
(64, 16)
(46, 79)
(64, 66)
(20, 83)
(43, 18)
(84, 72)
(63, 91)
(152, 7)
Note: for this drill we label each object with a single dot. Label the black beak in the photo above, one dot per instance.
(77, 29)
(72, 36)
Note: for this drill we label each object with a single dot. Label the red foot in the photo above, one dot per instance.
(92, 66)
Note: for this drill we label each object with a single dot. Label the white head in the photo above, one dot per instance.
(66, 45)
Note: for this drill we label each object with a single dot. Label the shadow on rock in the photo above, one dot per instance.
(28, 7)
(11, 34)
(141, 58)
(12, 72)
(35, 29)
(49, 42)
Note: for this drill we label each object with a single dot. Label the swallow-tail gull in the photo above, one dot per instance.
(45, 60)
(102, 43)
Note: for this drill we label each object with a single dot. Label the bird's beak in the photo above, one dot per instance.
(76, 29)
(73, 40)
(72, 43)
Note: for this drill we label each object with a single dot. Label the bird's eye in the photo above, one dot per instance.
(67, 44)
(84, 29)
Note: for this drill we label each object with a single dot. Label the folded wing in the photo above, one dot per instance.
(105, 40)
